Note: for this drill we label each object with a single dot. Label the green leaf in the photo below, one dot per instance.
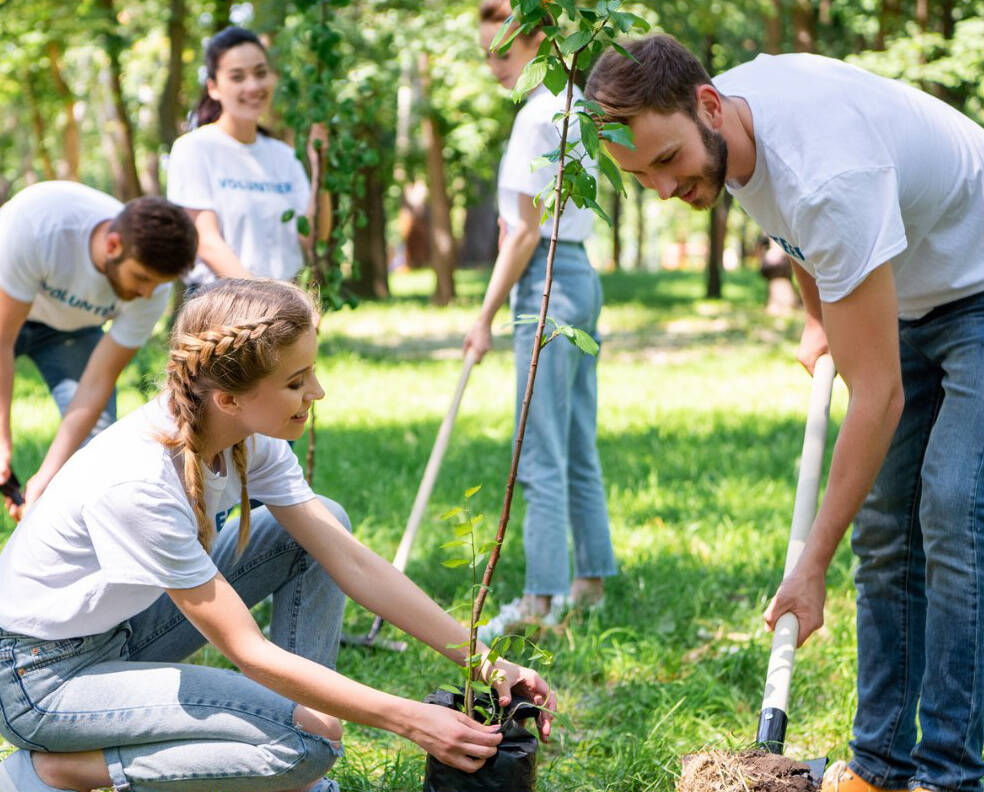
(589, 135)
(592, 108)
(611, 172)
(531, 76)
(463, 530)
(303, 226)
(449, 688)
(454, 563)
(451, 513)
(618, 133)
(624, 52)
(500, 34)
(488, 547)
(475, 521)
(585, 342)
(575, 41)
(472, 490)
(539, 162)
(556, 77)
(286, 216)
(593, 205)
(454, 543)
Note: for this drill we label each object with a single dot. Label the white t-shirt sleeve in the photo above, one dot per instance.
(188, 182)
(20, 275)
(143, 535)
(274, 475)
(135, 322)
(850, 227)
(532, 137)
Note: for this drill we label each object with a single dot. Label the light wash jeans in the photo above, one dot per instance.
(61, 357)
(559, 467)
(165, 726)
(920, 541)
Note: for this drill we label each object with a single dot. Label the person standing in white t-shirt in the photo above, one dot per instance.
(559, 468)
(120, 574)
(233, 178)
(71, 259)
(875, 191)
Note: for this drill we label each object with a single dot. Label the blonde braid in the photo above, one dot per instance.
(186, 408)
(190, 359)
(239, 457)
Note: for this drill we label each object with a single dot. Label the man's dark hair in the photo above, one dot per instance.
(663, 77)
(158, 234)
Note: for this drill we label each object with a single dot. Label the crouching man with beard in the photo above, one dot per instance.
(876, 191)
(72, 259)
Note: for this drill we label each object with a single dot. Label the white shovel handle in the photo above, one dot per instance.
(804, 511)
(433, 465)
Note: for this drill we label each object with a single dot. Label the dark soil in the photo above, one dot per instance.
(748, 771)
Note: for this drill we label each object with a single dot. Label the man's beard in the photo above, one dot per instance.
(113, 265)
(716, 171)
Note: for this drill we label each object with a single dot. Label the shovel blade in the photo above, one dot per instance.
(816, 766)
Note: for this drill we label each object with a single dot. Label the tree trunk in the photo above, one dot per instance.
(889, 18)
(948, 22)
(168, 115)
(617, 230)
(369, 239)
(773, 29)
(804, 26)
(922, 14)
(480, 240)
(123, 128)
(718, 228)
(71, 146)
(640, 229)
(442, 239)
(37, 123)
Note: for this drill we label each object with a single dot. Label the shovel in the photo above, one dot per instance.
(772, 721)
(419, 505)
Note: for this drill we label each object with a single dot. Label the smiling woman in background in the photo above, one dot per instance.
(233, 178)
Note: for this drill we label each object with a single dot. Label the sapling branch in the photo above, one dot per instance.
(482, 593)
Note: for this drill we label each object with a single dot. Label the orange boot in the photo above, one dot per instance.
(840, 778)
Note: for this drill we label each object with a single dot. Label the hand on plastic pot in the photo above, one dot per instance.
(454, 738)
(507, 677)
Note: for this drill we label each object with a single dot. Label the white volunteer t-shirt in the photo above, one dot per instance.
(114, 528)
(534, 134)
(249, 186)
(44, 260)
(853, 170)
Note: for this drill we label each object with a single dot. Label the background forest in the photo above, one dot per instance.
(99, 89)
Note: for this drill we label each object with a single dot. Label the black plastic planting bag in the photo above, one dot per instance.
(512, 769)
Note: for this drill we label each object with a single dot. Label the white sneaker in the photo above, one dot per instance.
(17, 774)
(514, 615)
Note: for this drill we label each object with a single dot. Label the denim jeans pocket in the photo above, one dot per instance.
(32, 654)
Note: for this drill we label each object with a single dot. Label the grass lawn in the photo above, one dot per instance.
(700, 425)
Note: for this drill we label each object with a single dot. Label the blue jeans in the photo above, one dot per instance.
(165, 726)
(61, 357)
(919, 539)
(559, 467)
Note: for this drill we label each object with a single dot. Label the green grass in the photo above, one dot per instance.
(700, 426)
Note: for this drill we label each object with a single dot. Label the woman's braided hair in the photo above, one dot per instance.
(228, 337)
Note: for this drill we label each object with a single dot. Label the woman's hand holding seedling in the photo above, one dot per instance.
(506, 677)
(453, 737)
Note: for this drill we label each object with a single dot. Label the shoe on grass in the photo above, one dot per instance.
(840, 778)
(514, 616)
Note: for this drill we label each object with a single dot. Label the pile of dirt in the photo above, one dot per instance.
(748, 771)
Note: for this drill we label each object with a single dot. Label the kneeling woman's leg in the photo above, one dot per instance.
(307, 604)
(159, 726)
